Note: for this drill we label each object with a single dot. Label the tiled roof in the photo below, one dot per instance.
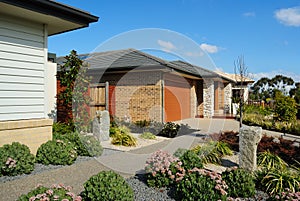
(192, 69)
(131, 58)
(234, 77)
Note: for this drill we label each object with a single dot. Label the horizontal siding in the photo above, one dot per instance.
(22, 84)
(25, 102)
(6, 78)
(21, 94)
(21, 65)
(21, 57)
(21, 49)
(4, 86)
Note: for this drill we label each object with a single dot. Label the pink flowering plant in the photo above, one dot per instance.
(286, 195)
(163, 169)
(15, 159)
(56, 152)
(57, 192)
(201, 184)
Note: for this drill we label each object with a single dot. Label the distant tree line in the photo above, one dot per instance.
(279, 87)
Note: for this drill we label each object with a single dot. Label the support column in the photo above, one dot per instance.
(227, 98)
(208, 98)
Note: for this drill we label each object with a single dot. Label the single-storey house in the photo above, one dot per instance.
(27, 79)
(145, 87)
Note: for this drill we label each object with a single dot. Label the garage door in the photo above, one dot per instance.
(177, 100)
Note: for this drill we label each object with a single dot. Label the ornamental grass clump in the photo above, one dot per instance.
(148, 136)
(163, 169)
(200, 184)
(56, 152)
(15, 159)
(122, 136)
(57, 192)
(240, 182)
(108, 186)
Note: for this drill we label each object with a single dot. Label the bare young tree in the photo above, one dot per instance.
(241, 74)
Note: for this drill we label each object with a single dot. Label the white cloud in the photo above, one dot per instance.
(271, 74)
(209, 48)
(166, 45)
(289, 16)
(249, 14)
(194, 54)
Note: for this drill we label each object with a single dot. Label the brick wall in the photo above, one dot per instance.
(137, 95)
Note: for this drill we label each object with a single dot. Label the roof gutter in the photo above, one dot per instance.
(55, 9)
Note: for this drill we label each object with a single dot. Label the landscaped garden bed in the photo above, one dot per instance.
(178, 176)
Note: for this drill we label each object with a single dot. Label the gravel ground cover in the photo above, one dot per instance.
(144, 193)
(39, 168)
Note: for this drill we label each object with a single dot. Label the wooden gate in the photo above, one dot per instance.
(99, 94)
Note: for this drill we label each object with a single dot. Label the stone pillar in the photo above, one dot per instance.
(249, 138)
(227, 98)
(208, 98)
(101, 125)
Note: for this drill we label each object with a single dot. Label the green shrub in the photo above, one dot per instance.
(56, 152)
(91, 146)
(285, 108)
(84, 145)
(270, 161)
(179, 152)
(190, 160)
(142, 123)
(240, 183)
(203, 185)
(75, 139)
(55, 192)
(108, 186)
(170, 130)
(147, 135)
(62, 128)
(161, 169)
(207, 153)
(15, 159)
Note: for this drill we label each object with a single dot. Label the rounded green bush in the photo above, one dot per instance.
(75, 139)
(16, 159)
(91, 145)
(190, 160)
(240, 183)
(56, 152)
(201, 185)
(108, 186)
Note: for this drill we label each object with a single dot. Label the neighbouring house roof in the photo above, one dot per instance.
(193, 69)
(58, 17)
(132, 58)
(235, 77)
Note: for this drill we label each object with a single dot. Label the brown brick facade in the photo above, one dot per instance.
(137, 95)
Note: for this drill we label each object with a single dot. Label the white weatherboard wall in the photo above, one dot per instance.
(23, 56)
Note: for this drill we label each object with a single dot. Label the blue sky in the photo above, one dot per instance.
(266, 33)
